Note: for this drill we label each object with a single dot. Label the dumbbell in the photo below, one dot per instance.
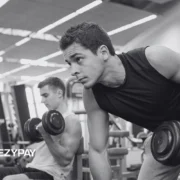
(30, 129)
(7, 160)
(52, 121)
(165, 143)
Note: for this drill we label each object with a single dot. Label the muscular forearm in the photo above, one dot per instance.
(99, 165)
(60, 153)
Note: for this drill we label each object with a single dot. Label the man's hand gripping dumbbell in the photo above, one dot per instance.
(52, 123)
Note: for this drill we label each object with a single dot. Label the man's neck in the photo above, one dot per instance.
(62, 108)
(114, 73)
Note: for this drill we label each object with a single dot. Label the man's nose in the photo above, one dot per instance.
(42, 100)
(74, 70)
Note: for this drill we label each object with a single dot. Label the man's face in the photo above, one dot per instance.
(86, 66)
(50, 97)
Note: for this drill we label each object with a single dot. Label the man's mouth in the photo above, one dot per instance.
(81, 79)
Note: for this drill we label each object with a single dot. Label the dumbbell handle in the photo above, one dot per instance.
(36, 128)
(30, 128)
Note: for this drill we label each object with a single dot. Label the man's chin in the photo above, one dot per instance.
(48, 108)
(88, 85)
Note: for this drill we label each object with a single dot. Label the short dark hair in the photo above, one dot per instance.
(53, 82)
(90, 35)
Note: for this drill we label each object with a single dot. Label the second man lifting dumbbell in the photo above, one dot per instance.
(52, 122)
(54, 153)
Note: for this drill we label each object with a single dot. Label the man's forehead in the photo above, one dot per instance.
(72, 50)
(44, 89)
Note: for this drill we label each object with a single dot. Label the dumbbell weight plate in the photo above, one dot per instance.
(31, 131)
(165, 143)
(7, 161)
(53, 122)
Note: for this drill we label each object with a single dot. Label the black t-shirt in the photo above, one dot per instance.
(146, 98)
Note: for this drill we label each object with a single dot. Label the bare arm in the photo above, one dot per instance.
(98, 126)
(65, 146)
(165, 61)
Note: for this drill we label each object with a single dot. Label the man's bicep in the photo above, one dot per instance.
(71, 138)
(98, 123)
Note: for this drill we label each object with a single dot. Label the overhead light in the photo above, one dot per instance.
(14, 71)
(23, 41)
(43, 64)
(53, 72)
(135, 23)
(25, 61)
(89, 6)
(47, 37)
(25, 33)
(1, 59)
(42, 76)
(2, 52)
(57, 23)
(45, 58)
(70, 16)
(3, 2)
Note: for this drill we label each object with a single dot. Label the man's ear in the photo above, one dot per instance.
(103, 52)
(60, 93)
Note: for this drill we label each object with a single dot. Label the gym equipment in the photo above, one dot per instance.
(10, 125)
(7, 161)
(15, 142)
(165, 143)
(52, 121)
(142, 135)
(30, 128)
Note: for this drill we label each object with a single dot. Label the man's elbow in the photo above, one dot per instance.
(67, 159)
(64, 162)
(97, 149)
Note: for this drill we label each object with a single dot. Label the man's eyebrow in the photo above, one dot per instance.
(66, 61)
(73, 55)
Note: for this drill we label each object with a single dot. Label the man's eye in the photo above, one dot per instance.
(78, 59)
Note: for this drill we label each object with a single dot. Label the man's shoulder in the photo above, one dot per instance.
(164, 60)
(71, 117)
(136, 50)
(72, 121)
(157, 54)
(156, 50)
(151, 53)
